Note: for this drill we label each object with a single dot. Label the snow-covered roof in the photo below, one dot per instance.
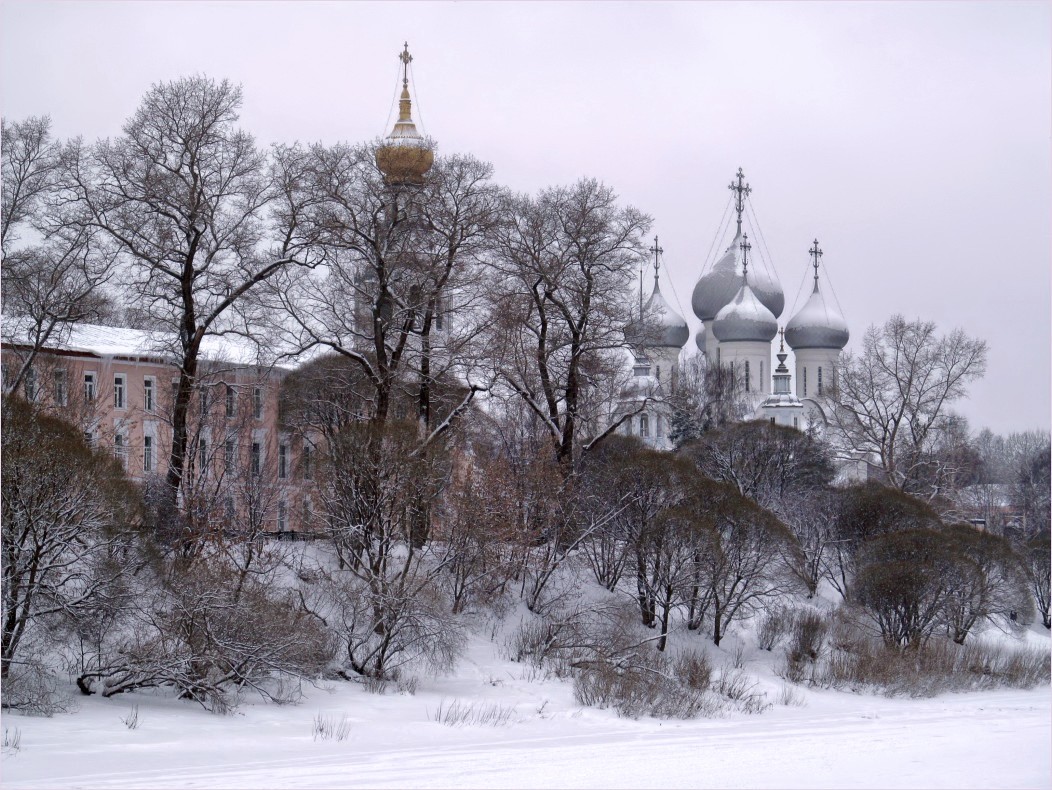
(113, 341)
(716, 288)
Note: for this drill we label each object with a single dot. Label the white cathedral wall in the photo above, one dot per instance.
(664, 365)
(757, 354)
(808, 363)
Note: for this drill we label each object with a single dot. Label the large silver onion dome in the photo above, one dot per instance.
(716, 288)
(817, 325)
(745, 318)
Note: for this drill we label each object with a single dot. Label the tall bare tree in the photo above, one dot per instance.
(565, 259)
(888, 399)
(200, 217)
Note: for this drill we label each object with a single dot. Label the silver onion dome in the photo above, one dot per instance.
(745, 318)
(718, 287)
(671, 330)
(817, 325)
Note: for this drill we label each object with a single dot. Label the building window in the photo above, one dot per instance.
(61, 391)
(282, 516)
(89, 438)
(147, 454)
(231, 453)
(147, 393)
(119, 386)
(644, 426)
(89, 387)
(748, 384)
(203, 400)
(257, 459)
(772, 421)
(257, 403)
(660, 427)
(283, 461)
(31, 384)
(307, 461)
(762, 382)
(120, 449)
(202, 455)
(820, 381)
(231, 401)
(796, 422)
(228, 508)
(805, 382)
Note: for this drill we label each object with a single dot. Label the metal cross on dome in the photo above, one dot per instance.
(406, 59)
(657, 262)
(745, 247)
(816, 253)
(741, 190)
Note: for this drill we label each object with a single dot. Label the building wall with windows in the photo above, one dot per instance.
(241, 468)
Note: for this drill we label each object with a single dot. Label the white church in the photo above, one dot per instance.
(739, 301)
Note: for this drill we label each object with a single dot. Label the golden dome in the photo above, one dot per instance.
(404, 156)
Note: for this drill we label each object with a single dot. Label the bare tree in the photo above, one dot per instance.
(67, 515)
(58, 279)
(744, 559)
(989, 584)
(200, 217)
(565, 259)
(888, 399)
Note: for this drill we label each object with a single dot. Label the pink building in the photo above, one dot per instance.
(243, 473)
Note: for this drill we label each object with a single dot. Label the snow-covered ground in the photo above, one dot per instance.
(833, 739)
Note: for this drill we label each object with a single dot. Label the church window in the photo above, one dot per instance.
(772, 421)
(796, 422)
(644, 426)
(748, 384)
(761, 376)
(805, 382)
(820, 381)
(660, 427)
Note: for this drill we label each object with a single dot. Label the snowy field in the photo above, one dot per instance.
(823, 739)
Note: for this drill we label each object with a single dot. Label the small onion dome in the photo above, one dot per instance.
(673, 331)
(404, 156)
(745, 318)
(716, 288)
(699, 339)
(817, 325)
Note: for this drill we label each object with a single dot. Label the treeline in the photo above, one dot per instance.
(742, 524)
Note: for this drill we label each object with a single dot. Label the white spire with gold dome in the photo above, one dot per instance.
(404, 156)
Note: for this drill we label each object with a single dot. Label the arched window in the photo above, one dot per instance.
(644, 426)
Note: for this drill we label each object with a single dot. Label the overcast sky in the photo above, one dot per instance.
(913, 139)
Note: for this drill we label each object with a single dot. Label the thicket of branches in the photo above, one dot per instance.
(459, 349)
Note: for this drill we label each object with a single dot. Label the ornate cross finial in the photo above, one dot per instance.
(406, 59)
(745, 247)
(816, 253)
(741, 190)
(657, 260)
(781, 339)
